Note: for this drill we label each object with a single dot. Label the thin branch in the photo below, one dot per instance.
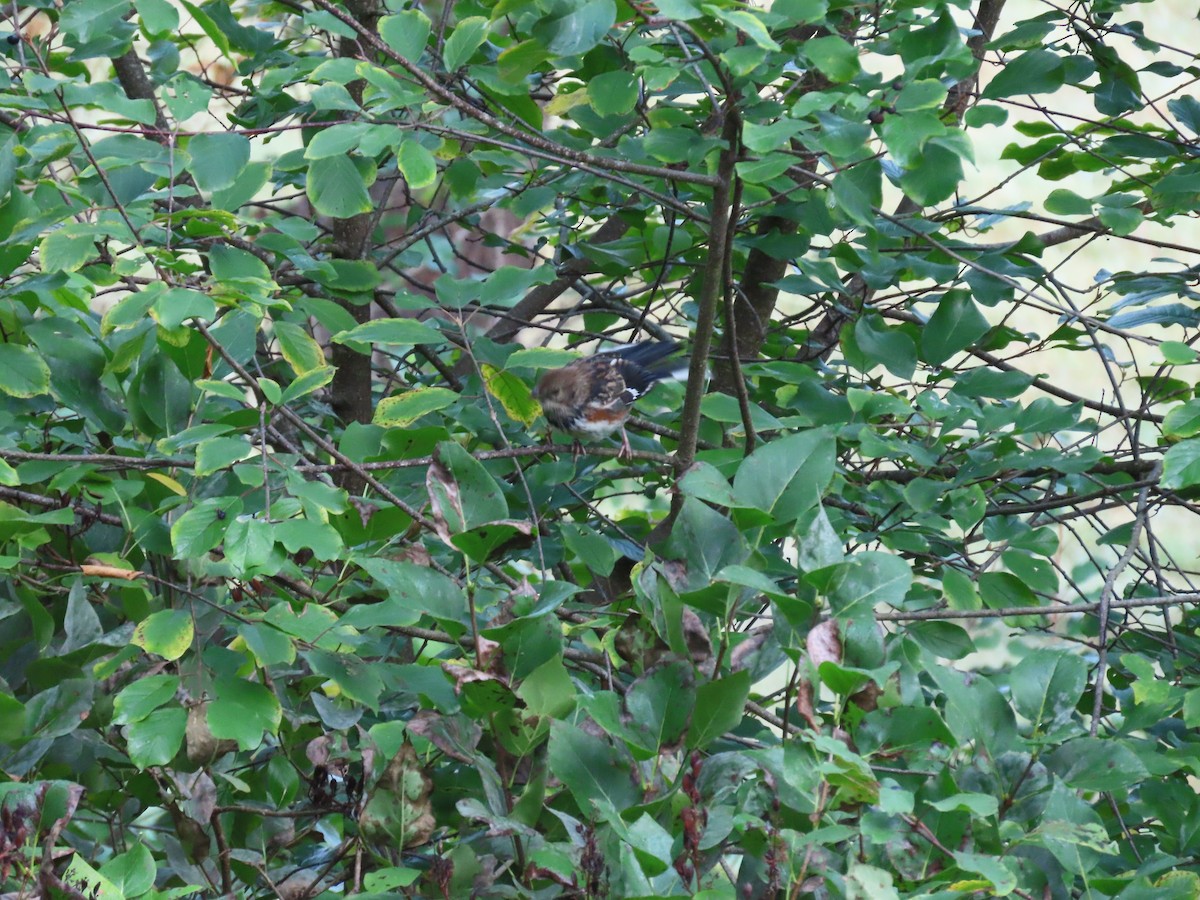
(1106, 603)
(938, 615)
(532, 139)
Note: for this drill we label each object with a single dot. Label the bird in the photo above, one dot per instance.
(592, 397)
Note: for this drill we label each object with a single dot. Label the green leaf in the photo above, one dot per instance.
(12, 718)
(81, 623)
(856, 586)
(798, 466)
(406, 32)
(403, 409)
(417, 165)
(954, 325)
(975, 709)
(836, 59)
(747, 21)
(1062, 202)
(659, 705)
(140, 698)
(203, 526)
(312, 380)
(337, 140)
(60, 710)
(1181, 465)
(935, 176)
(705, 482)
(924, 93)
(719, 708)
(157, 16)
(219, 453)
(879, 343)
(858, 191)
(319, 538)
(270, 390)
(66, 249)
(402, 332)
(467, 37)
(595, 774)
(1033, 72)
(959, 590)
(270, 646)
(413, 591)
(386, 880)
(154, 740)
(613, 93)
(354, 677)
(579, 29)
(215, 34)
(997, 872)
(217, 159)
(478, 495)
(943, 639)
(87, 20)
(132, 873)
(337, 189)
(242, 711)
(761, 171)
(176, 305)
(1096, 764)
(167, 633)
(1177, 353)
(799, 12)
(1046, 686)
(592, 549)
(1191, 708)
(23, 373)
(1001, 589)
(505, 287)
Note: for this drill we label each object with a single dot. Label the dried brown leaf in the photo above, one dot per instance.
(445, 501)
(455, 736)
(743, 654)
(824, 643)
(100, 571)
(804, 702)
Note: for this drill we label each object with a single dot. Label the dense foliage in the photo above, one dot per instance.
(300, 599)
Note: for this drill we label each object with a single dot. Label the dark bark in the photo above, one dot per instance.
(351, 386)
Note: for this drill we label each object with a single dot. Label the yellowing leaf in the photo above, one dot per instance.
(302, 353)
(167, 633)
(406, 408)
(168, 482)
(564, 103)
(513, 394)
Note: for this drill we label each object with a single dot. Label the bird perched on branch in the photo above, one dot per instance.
(592, 397)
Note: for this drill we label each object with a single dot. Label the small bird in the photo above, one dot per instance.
(592, 397)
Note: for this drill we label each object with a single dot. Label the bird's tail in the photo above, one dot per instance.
(652, 356)
(670, 369)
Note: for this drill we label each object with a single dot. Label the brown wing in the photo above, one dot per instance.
(606, 381)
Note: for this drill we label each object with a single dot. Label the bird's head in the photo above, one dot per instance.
(558, 387)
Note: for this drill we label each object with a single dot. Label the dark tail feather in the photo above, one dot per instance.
(647, 353)
(670, 369)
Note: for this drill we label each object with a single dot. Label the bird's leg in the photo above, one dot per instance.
(626, 452)
(576, 448)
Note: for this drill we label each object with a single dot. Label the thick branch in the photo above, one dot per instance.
(539, 299)
(710, 294)
(350, 390)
